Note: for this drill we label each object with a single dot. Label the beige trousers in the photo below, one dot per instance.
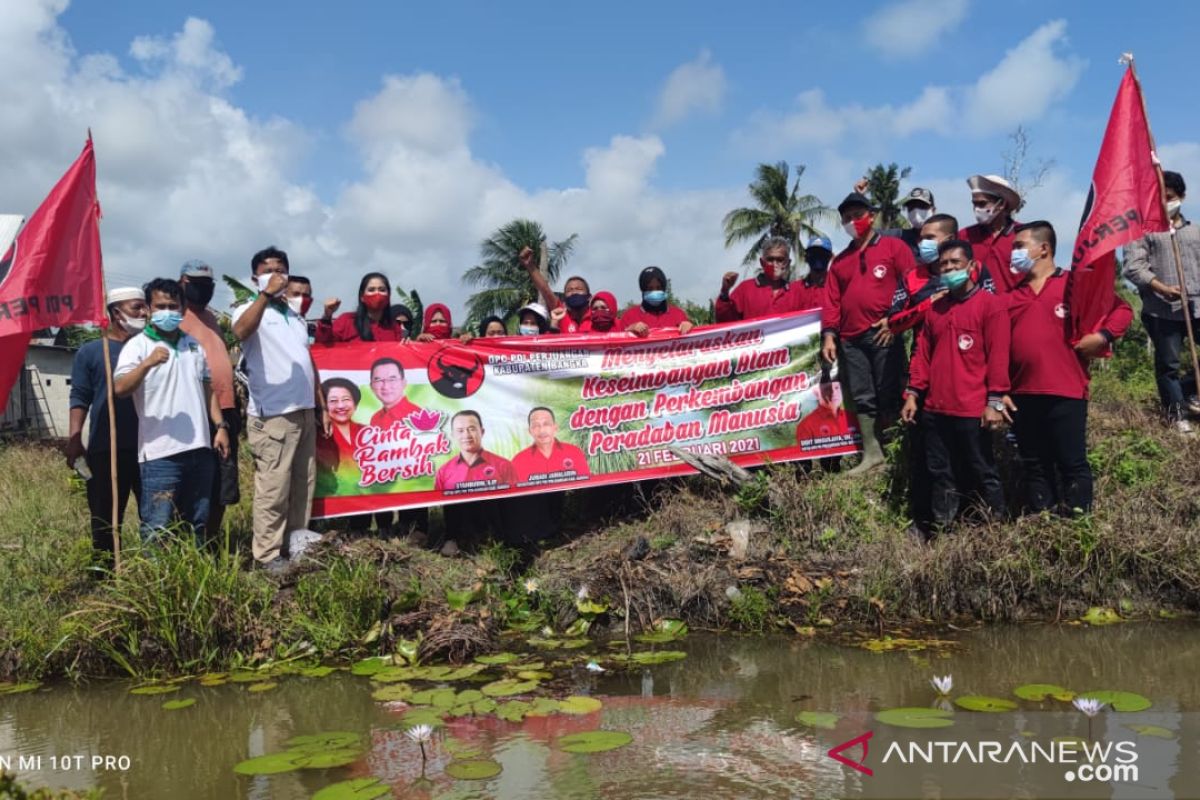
(285, 472)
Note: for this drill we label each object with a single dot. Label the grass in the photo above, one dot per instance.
(825, 549)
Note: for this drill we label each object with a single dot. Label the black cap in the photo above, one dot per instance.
(856, 199)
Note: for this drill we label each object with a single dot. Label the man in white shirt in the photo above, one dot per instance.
(167, 375)
(284, 390)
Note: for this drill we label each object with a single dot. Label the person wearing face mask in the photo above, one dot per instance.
(1150, 266)
(817, 256)
(533, 319)
(921, 285)
(436, 325)
(199, 322)
(918, 208)
(489, 327)
(995, 201)
(285, 404)
(89, 401)
(372, 321)
(771, 292)
(654, 313)
(166, 373)
(863, 281)
(959, 378)
(571, 314)
(1050, 376)
(602, 315)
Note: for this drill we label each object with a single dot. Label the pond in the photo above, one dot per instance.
(722, 722)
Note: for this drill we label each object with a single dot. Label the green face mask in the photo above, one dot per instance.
(955, 279)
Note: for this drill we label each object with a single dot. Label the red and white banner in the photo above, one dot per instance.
(51, 275)
(419, 424)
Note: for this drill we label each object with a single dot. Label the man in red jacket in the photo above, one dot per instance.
(1049, 374)
(863, 283)
(771, 292)
(960, 370)
(995, 201)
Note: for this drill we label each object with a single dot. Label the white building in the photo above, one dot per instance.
(40, 399)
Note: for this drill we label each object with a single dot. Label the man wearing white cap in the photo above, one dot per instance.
(995, 201)
(89, 400)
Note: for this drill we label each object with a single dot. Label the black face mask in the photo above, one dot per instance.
(198, 291)
(577, 301)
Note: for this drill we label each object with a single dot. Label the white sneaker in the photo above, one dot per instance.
(1184, 427)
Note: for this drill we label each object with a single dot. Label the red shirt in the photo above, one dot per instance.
(757, 297)
(489, 470)
(822, 422)
(919, 297)
(1043, 360)
(569, 325)
(670, 317)
(864, 284)
(564, 458)
(962, 354)
(343, 329)
(994, 251)
(385, 417)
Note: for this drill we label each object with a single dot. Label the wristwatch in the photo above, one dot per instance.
(996, 405)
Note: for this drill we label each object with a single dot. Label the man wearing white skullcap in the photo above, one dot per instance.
(89, 399)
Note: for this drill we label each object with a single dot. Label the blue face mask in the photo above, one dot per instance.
(654, 298)
(166, 321)
(1021, 262)
(928, 250)
(955, 279)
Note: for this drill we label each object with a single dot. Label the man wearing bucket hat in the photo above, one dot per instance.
(89, 400)
(995, 201)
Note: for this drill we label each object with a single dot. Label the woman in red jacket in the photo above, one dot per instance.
(436, 324)
(372, 321)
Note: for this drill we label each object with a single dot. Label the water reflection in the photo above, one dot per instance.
(719, 724)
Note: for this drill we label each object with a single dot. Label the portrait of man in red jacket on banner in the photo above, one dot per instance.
(828, 421)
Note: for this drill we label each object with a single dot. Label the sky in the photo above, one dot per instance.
(395, 137)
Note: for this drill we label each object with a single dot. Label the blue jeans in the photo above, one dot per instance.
(178, 487)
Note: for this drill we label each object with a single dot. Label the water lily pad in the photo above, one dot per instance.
(422, 716)
(549, 644)
(371, 666)
(916, 717)
(1119, 701)
(512, 711)
(1157, 731)
(213, 676)
(317, 672)
(889, 643)
(485, 706)
(1097, 615)
(534, 675)
(476, 769)
(265, 686)
(464, 672)
(175, 705)
(497, 658)
(543, 707)
(460, 749)
(156, 689)
(574, 644)
(20, 688)
(469, 696)
(593, 741)
(578, 704)
(329, 740)
(356, 789)
(978, 702)
(393, 692)
(209, 683)
(246, 677)
(326, 759)
(660, 657)
(525, 666)
(1041, 691)
(818, 719)
(271, 764)
(579, 627)
(665, 630)
(508, 686)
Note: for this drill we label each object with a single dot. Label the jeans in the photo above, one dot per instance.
(1052, 443)
(1169, 337)
(961, 463)
(99, 493)
(178, 487)
(871, 374)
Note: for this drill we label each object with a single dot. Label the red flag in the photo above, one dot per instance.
(1124, 204)
(51, 275)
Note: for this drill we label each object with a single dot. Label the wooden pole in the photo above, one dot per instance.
(1183, 289)
(112, 445)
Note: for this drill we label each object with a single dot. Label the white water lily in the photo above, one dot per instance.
(942, 685)
(420, 733)
(582, 594)
(592, 666)
(531, 585)
(1088, 705)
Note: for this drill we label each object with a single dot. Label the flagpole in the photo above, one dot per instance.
(1162, 193)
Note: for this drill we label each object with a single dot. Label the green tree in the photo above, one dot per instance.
(779, 211)
(504, 283)
(883, 187)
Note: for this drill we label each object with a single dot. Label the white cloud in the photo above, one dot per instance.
(191, 51)
(1184, 158)
(697, 86)
(909, 28)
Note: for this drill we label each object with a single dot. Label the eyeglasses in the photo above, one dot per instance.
(386, 381)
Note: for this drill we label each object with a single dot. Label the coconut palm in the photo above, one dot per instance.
(779, 212)
(883, 187)
(505, 283)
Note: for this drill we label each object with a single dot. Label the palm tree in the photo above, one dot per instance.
(883, 187)
(779, 212)
(505, 283)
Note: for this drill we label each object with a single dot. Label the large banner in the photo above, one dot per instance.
(421, 424)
